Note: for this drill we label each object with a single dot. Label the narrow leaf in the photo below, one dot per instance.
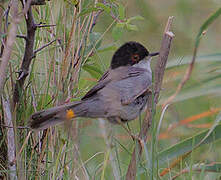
(132, 27)
(209, 21)
(88, 11)
(188, 145)
(121, 11)
(94, 71)
(135, 18)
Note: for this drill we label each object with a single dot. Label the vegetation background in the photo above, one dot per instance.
(83, 40)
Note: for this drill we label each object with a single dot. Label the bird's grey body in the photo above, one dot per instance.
(120, 95)
(126, 97)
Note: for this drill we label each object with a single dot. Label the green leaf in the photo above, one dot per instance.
(104, 7)
(117, 32)
(88, 11)
(205, 25)
(107, 48)
(121, 25)
(188, 145)
(131, 27)
(121, 10)
(93, 70)
(137, 18)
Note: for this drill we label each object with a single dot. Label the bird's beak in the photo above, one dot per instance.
(154, 54)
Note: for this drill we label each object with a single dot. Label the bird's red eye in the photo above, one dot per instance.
(135, 57)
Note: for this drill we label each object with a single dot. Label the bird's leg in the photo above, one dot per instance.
(128, 131)
(134, 137)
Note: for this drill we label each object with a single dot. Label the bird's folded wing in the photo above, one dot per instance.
(133, 83)
(129, 82)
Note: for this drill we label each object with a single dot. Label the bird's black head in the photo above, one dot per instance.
(129, 54)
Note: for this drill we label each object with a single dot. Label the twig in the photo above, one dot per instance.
(10, 139)
(45, 25)
(18, 127)
(21, 36)
(9, 43)
(42, 47)
(158, 74)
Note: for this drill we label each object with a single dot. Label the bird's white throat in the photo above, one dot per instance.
(145, 64)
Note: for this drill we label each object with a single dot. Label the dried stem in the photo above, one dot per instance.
(10, 139)
(158, 74)
(9, 43)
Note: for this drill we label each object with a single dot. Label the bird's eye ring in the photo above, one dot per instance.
(135, 57)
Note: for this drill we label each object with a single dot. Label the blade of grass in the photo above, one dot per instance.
(106, 157)
(187, 145)
(57, 160)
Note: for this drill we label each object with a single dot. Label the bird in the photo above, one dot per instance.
(119, 96)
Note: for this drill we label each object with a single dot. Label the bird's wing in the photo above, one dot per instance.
(132, 82)
(101, 83)
(128, 83)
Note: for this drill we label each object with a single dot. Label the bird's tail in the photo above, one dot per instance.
(50, 117)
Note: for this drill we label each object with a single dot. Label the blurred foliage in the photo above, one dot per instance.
(82, 151)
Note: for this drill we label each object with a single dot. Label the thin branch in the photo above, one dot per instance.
(42, 47)
(22, 37)
(45, 25)
(158, 75)
(18, 127)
